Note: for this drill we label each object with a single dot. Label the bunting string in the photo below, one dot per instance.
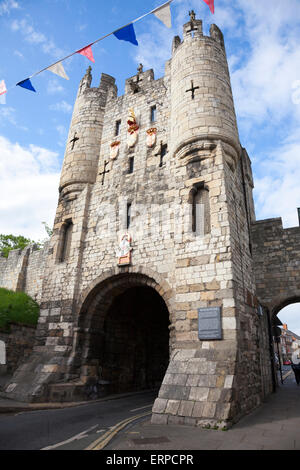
(125, 33)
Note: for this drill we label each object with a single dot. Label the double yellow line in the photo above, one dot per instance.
(100, 443)
(286, 375)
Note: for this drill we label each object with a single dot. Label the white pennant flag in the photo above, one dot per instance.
(164, 14)
(58, 70)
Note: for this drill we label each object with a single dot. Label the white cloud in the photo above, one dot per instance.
(82, 27)
(27, 30)
(7, 115)
(277, 192)
(7, 5)
(18, 54)
(29, 179)
(154, 48)
(35, 37)
(61, 130)
(54, 87)
(61, 106)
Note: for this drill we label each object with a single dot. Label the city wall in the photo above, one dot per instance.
(276, 254)
(23, 270)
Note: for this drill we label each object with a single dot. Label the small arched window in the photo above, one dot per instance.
(66, 239)
(200, 210)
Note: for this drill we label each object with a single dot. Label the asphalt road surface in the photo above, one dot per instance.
(70, 428)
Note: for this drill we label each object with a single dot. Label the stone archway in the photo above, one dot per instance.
(283, 301)
(124, 333)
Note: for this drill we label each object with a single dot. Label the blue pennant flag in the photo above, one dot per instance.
(26, 84)
(127, 34)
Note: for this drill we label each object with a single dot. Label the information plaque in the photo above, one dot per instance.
(209, 323)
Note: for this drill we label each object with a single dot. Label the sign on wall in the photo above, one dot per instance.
(209, 323)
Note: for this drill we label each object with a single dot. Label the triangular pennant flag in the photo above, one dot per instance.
(127, 34)
(164, 14)
(58, 69)
(211, 5)
(2, 87)
(26, 84)
(87, 52)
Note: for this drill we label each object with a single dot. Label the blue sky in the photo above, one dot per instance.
(262, 44)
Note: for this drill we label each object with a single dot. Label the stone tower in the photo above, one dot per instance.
(148, 279)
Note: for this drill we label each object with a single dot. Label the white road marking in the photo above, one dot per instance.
(74, 438)
(142, 407)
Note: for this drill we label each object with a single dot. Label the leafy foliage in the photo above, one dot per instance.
(18, 242)
(17, 307)
(13, 242)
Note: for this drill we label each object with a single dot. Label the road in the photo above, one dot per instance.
(70, 428)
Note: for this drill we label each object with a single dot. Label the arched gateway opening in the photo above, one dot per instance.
(125, 340)
(288, 314)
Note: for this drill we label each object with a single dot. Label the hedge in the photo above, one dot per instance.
(17, 307)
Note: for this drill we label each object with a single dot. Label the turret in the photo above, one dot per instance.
(201, 96)
(84, 139)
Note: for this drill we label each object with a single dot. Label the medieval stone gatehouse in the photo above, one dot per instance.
(149, 279)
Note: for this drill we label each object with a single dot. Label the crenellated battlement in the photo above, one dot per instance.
(194, 30)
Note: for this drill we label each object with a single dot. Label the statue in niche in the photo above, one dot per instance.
(124, 251)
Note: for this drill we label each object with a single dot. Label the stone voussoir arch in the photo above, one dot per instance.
(96, 299)
(115, 280)
(282, 300)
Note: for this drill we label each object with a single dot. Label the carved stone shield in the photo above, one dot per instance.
(132, 135)
(114, 150)
(151, 137)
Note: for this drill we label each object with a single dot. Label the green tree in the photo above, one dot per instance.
(13, 242)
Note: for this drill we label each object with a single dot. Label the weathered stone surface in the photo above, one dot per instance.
(18, 345)
(190, 212)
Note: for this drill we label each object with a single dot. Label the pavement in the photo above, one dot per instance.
(275, 425)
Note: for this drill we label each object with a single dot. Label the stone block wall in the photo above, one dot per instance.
(12, 269)
(19, 341)
(24, 270)
(276, 254)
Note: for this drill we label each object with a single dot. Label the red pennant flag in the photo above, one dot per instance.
(87, 52)
(211, 5)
